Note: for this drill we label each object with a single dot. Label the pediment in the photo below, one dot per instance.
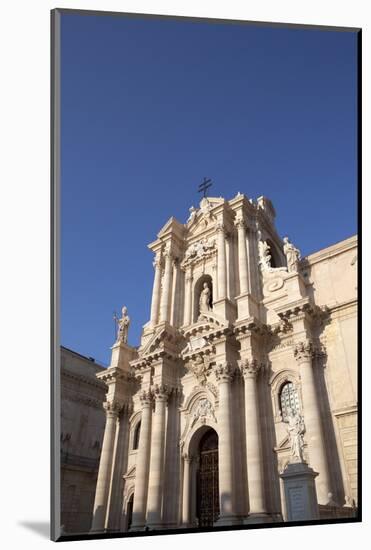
(153, 342)
(130, 473)
(213, 201)
(206, 323)
(163, 334)
(204, 223)
(203, 218)
(283, 445)
(171, 226)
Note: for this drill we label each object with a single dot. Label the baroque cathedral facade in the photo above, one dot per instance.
(243, 336)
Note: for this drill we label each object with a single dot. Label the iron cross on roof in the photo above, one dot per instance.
(203, 187)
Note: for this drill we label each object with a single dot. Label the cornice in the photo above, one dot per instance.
(346, 409)
(301, 309)
(115, 374)
(66, 373)
(342, 306)
(249, 327)
(330, 251)
(85, 400)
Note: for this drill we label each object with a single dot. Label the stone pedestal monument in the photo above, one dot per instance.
(298, 478)
(300, 492)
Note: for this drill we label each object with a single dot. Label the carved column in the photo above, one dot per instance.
(242, 257)
(105, 467)
(174, 317)
(224, 374)
(156, 291)
(188, 297)
(166, 290)
(222, 266)
(156, 472)
(250, 369)
(142, 466)
(312, 418)
(186, 490)
(215, 286)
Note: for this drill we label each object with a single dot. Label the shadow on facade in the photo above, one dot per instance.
(331, 450)
(172, 462)
(270, 461)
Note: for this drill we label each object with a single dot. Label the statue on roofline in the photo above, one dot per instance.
(123, 326)
(292, 255)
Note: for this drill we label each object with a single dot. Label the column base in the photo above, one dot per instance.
(258, 517)
(228, 520)
(138, 528)
(155, 526)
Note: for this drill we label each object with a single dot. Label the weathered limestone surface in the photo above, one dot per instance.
(241, 328)
(82, 430)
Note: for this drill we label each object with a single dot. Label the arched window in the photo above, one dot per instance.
(289, 399)
(136, 436)
(275, 259)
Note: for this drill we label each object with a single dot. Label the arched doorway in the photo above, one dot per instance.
(207, 492)
(129, 512)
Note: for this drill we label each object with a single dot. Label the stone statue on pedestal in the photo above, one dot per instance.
(123, 326)
(292, 255)
(264, 254)
(205, 298)
(295, 431)
(192, 214)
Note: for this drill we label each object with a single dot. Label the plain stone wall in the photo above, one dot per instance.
(82, 429)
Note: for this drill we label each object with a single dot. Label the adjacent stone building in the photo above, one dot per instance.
(82, 428)
(243, 337)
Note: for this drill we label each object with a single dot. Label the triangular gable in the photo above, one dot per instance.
(172, 225)
(285, 444)
(152, 342)
(130, 473)
(203, 216)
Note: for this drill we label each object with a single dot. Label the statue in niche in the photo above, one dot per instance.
(292, 255)
(123, 326)
(295, 431)
(205, 298)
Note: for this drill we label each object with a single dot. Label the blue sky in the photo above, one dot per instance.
(151, 106)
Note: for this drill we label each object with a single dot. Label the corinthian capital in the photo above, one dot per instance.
(145, 398)
(224, 372)
(160, 392)
(157, 261)
(240, 223)
(303, 351)
(249, 367)
(168, 255)
(220, 228)
(112, 408)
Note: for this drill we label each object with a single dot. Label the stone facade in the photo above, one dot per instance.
(82, 429)
(241, 330)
